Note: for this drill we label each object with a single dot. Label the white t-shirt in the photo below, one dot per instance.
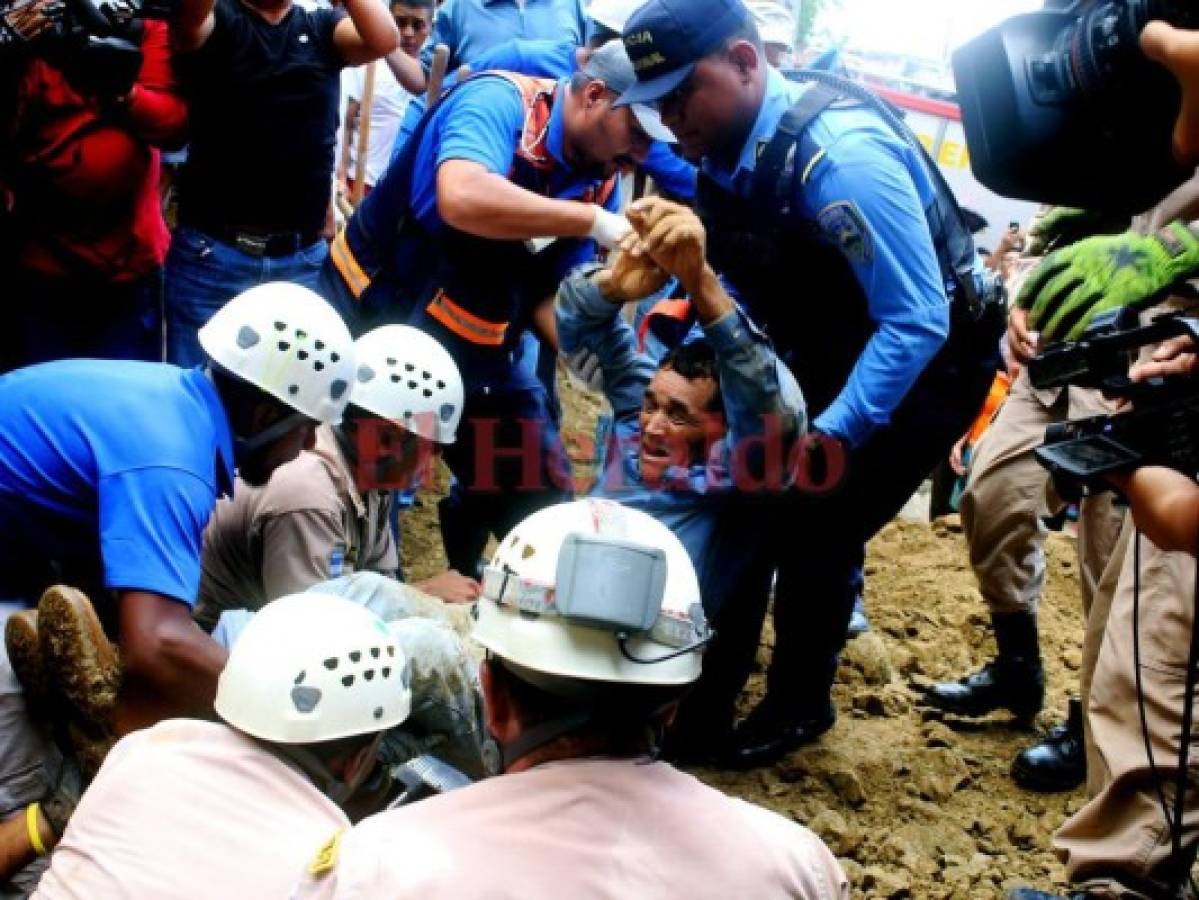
(589, 829)
(387, 112)
(190, 809)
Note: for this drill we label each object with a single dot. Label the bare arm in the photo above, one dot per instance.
(407, 71)
(1165, 506)
(192, 25)
(368, 34)
(170, 665)
(16, 850)
(481, 203)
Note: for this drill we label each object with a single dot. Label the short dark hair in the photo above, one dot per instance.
(695, 360)
(628, 717)
(415, 4)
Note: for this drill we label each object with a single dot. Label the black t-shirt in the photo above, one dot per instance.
(263, 101)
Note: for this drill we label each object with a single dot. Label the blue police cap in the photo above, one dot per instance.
(666, 38)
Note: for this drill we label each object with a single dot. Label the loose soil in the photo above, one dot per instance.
(914, 805)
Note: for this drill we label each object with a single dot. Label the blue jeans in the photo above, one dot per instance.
(203, 274)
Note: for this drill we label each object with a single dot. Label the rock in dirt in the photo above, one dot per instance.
(867, 654)
(883, 883)
(940, 775)
(888, 702)
(938, 734)
(842, 838)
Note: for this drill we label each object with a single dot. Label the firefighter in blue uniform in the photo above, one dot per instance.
(452, 240)
(842, 239)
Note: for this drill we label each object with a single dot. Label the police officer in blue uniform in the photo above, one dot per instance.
(842, 239)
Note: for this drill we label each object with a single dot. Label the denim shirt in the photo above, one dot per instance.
(756, 388)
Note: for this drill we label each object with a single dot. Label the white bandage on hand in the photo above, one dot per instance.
(608, 228)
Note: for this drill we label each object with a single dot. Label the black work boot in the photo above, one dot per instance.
(1059, 762)
(1014, 680)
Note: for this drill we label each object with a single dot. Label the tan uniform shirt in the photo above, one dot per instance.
(190, 809)
(582, 829)
(308, 524)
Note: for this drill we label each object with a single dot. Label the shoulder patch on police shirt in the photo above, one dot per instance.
(843, 224)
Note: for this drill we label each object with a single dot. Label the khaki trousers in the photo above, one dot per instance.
(1007, 494)
(1118, 844)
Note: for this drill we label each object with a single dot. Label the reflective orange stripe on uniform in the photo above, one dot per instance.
(465, 324)
(345, 263)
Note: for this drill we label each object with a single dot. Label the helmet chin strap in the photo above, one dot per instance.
(317, 771)
(497, 757)
(244, 445)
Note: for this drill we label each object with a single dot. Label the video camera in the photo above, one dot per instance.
(1061, 106)
(1162, 427)
(95, 42)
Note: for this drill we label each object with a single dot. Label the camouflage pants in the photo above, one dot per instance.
(447, 710)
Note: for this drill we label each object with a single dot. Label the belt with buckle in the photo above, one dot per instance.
(254, 243)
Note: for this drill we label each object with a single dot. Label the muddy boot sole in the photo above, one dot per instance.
(25, 657)
(84, 664)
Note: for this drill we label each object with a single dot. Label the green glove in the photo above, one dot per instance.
(1073, 285)
(1061, 226)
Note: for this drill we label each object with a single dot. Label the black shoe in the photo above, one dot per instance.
(1014, 680)
(768, 734)
(1059, 762)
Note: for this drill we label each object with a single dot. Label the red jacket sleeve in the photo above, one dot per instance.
(157, 113)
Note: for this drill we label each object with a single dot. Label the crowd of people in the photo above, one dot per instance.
(386, 224)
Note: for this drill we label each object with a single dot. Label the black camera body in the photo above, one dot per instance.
(96, 43)
(1161, 429)
(1061, 106)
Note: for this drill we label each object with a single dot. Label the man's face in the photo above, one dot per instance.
(677, 422)
(414, 24)
(607, 138)
(256, 466)
(712, 108)
(389, 457)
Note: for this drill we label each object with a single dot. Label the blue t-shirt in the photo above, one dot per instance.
(472, 27)
(481, 121)
(867, 190)
(129, 457)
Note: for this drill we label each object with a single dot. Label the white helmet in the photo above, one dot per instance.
(407, 377)
(596, 591)
(313, 667)
(287, 341)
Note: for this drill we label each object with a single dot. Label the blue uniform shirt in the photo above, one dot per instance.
(471, 27)
(121, 461)
(481, 121)
(868, 191)
(754, 384)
